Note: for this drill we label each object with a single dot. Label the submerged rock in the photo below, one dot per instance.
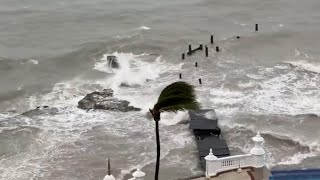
(40, 110)
(105, 100)
(309, 115)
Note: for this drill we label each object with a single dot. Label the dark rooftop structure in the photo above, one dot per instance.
(219, 146)
(204, 124)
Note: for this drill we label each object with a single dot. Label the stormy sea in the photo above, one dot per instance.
(53, 53)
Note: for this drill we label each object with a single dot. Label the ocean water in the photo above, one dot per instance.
(54, 52)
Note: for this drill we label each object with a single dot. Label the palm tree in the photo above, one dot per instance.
(175, 97)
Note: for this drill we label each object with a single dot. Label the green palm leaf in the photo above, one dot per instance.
(177, 96)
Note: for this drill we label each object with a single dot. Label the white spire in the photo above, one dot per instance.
(109, 175)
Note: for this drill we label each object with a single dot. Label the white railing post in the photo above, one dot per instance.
(211, 166)
(138, 174)
(109, 175)
(258, 152)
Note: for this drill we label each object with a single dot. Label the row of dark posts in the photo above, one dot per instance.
(190, 52)
(200, 48)
(180, 77)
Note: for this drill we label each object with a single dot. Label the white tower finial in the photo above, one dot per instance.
(210, 164)
(257, 151)
(210, 157)
(138, 174)
(109, 175)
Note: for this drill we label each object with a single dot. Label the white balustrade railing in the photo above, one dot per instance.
(234, 162)
(215, 165)
(256, 159)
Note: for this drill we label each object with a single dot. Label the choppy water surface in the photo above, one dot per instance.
(54, 52)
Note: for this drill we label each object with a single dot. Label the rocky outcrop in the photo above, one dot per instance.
(113, 61)
(105, 100)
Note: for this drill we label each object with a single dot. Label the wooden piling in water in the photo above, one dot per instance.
(194, 50)
(200, 82)
(183, 56)
(180, 76)
(217, 49)
(211, 39)
(257, 28)
(207, 53)
(196, 64)
(190, 49)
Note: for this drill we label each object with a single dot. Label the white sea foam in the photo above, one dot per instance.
(296, 52)
(278, 91)
(20, 88)
(174, 118)
(254, 76)
(226, 96)
(33, 61)
(296, 159)
(246, 84)
(273, 150)
(133, 69)
(305, 65)
(282, 66)
(144, 28)
(280, 94)
(66, 93)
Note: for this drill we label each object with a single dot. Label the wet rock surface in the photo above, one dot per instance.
(105, 100)
(113, 61)
(40, 110)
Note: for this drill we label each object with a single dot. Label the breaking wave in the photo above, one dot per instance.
(144, 28)
(305, 66)
(133, 69)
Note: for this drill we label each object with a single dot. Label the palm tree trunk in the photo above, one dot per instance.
(156, 176)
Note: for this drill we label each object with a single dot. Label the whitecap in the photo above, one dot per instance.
(134, 70)
(174, 118)
(144, 28)
(296, 159)
(246, 84)
(305, 65)
(33, 61)
(20, 88)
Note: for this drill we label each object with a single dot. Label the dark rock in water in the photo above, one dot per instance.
(105, 100)
(124, 85)
(113, 61)
(40, 111)
(127, 85)
(310, 115)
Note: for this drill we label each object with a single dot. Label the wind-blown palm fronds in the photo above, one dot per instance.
(175, 97)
